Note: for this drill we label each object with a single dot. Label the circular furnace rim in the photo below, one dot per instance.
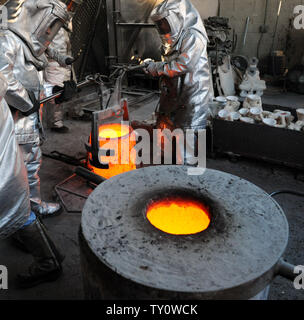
(266, 272)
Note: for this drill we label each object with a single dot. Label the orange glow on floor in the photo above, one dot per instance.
(179, 216)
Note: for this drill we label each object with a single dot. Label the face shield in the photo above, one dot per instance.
(169, 26)
(37, 22)
(52, 18)
(163, 26)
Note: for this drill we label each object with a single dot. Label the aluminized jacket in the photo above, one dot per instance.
(17, 66)
(14, 193)
(185, 75)
(31, 26)
(54, 74)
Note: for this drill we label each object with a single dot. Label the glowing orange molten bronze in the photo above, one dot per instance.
(178, 216)
(115, 142)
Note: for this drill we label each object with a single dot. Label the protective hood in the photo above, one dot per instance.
(174, 18)
(36, 22)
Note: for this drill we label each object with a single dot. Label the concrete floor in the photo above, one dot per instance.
(275, 96)
(64, 228)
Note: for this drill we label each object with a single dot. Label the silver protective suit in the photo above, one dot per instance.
(23, 49)
(185, 75)
(14, 193)
(36, 22)
(55, 75)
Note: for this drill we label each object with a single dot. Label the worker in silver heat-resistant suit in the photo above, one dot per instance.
(184, 70)
(16, 218)
(14, 193)
(31, 26)
(54, 76)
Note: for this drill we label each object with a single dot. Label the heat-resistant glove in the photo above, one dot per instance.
(154, 68)
(69, 91)
(35, 102)
(151, 68)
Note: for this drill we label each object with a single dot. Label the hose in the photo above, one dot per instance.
(284, 268)
(295, 193)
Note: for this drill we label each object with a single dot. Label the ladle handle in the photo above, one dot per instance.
(89, 175)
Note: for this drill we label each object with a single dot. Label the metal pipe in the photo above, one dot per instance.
(286, 270)
(264, 26)
(246, 31)
(133, 93)
(89, 175)
(58, 94)
(136, 25)
(111, 30)
(276, 25)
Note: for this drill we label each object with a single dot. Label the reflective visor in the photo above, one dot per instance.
(163, 26)
(48, 30)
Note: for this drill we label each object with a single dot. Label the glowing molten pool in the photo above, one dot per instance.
(113, 131)
(178, 216)
(117, 138)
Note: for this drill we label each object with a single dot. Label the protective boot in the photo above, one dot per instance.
(47, 260)
(32, 157)
(58, 125)
(46, 209)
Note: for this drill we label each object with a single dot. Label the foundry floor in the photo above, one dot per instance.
(64, 228)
